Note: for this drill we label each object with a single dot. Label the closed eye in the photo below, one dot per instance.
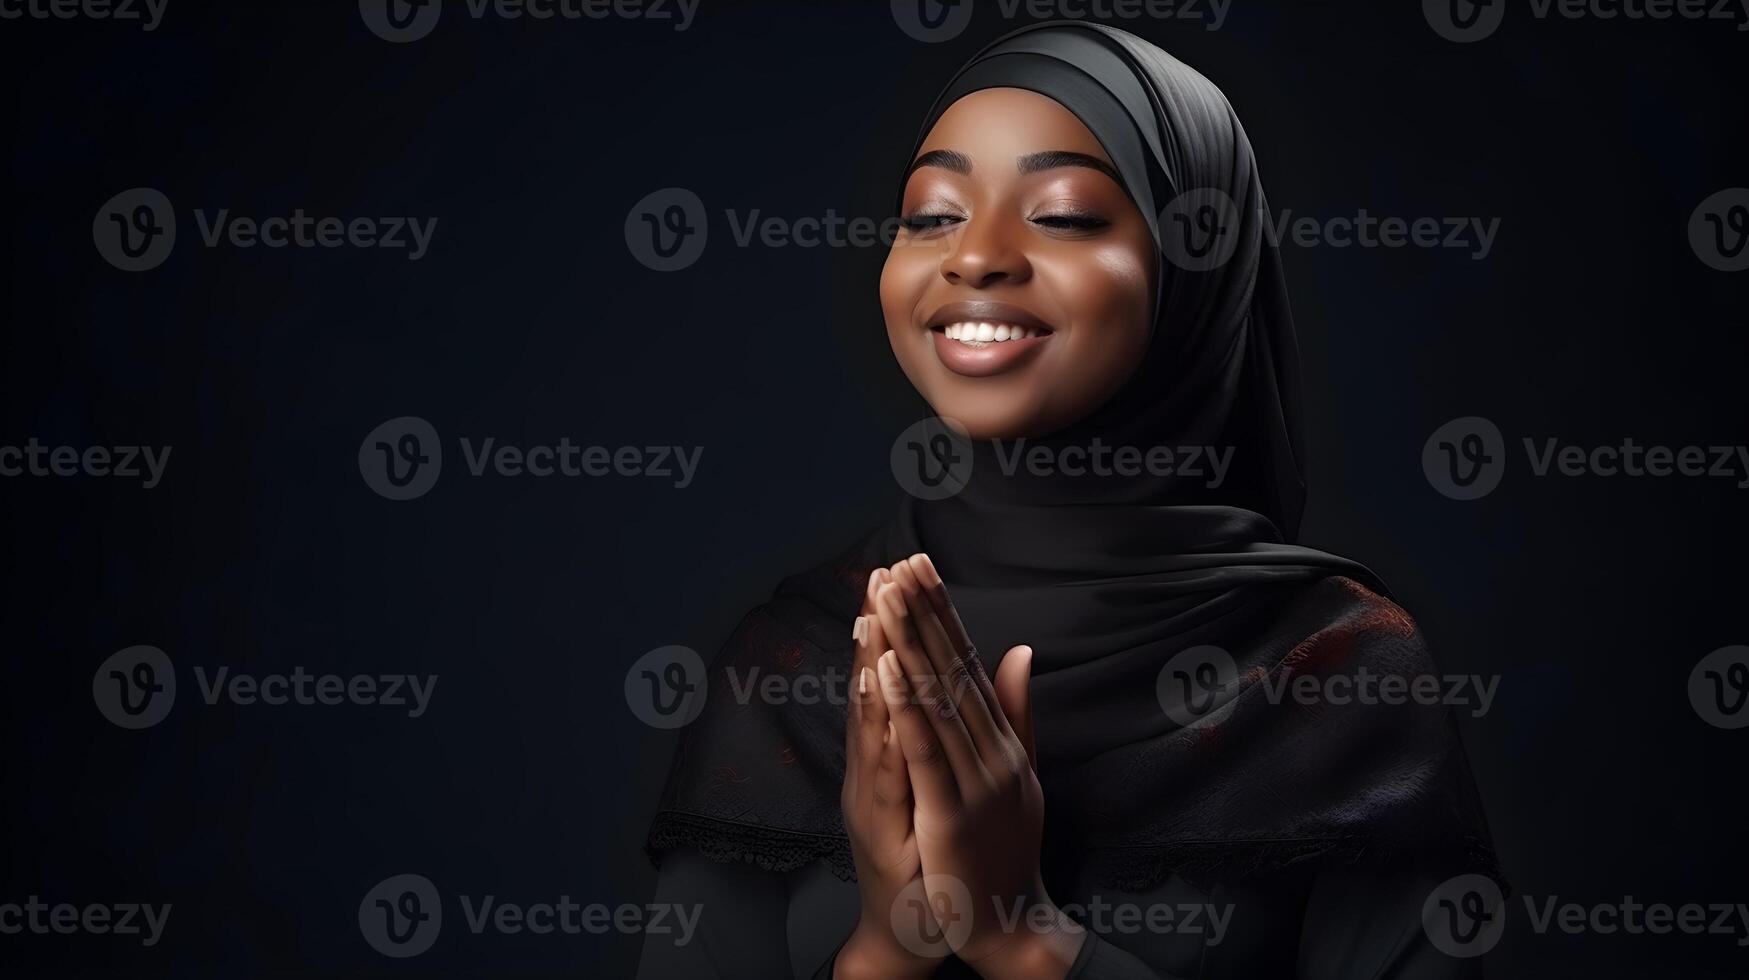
(929, 222)
(1072, 222)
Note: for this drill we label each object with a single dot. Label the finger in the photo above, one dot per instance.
(1013, 689)
(928, 690)
(890, 797)
(864, 650)
(876, 579)
(936, 591)
(931, 779)
(950, 665)
(871, 726)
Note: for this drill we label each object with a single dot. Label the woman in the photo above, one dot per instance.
(1082, 270)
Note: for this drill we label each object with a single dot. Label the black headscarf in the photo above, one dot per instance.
(1110, 579)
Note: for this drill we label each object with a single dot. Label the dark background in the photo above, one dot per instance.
(1592, 141)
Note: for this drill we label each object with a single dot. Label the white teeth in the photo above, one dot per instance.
(981, 333)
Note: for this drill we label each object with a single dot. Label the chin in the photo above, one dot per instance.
(983, 421)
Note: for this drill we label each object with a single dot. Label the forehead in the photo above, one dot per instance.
(1004, 123)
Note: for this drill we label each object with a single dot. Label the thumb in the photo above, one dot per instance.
(1013, 676)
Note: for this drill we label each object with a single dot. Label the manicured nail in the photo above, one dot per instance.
(892, 684)
(903, 575)
(862, 681)
(925, 570)
(876, 579)
(856, 630)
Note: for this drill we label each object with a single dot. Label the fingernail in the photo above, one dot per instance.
(903, 575)
(862, 681)
(856, 630)
(925, 569)
(891, 683)
(891, 598)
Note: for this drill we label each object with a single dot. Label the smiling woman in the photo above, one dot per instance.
(1053, 229)
(1070, 705)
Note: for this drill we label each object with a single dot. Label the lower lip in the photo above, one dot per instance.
(981, 362)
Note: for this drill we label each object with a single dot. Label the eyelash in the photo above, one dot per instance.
(1060, 222)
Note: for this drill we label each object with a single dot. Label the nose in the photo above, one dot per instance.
(982, 254)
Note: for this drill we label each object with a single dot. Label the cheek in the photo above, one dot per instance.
(905, 280)
(1106, 295)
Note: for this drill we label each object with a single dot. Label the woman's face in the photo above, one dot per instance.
(1018, 293)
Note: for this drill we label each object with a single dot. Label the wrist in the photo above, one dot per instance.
(868, 955)
(1043, 948)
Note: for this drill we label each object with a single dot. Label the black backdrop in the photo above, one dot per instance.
(1592, 319)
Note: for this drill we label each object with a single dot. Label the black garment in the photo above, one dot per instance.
(773, 926)
(1115, 581)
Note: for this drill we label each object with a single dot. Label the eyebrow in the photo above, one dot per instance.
(1032, 163)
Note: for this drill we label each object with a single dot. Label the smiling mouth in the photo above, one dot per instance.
(979, 334)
